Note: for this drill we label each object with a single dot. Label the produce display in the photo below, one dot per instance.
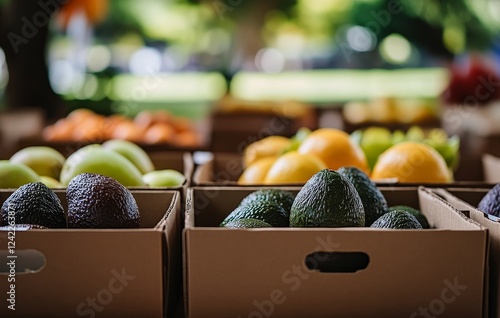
(343, 198)
(149, 127)
(390, 110)
(122, 160)
(415, 156)
(94, 201)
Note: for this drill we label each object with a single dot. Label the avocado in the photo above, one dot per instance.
(267, 211)
(33, 203)
(397, 219)
(22, 227)
(416, 213)
(327, 200)
(281, 197)
(100, 202)
(246, 224)
(490, 203)
(374, 202)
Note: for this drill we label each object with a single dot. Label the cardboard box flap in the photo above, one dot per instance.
(444, 219)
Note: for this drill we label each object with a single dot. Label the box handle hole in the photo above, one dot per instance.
(337, 262)
(22, 262)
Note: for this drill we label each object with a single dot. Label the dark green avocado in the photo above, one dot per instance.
(33, 203)
(281, 197)
(397, 219)
(327, 200)
(246, 224)
(267, 211)
(491, 202)
(374, 202)
(416, 213)
(100, 202)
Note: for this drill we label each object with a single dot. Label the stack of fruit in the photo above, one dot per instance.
(94, 201)
(150, 127)
(343, 198)
(119, 159)
(412, 157)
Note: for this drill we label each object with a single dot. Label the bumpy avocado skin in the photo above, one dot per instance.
(397, 219)
(327, 200)
(33, 203)
(100, 202)
(374, 202)
(491, 202)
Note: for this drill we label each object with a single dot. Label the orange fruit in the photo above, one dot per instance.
(271, 146)
(293, 167)
(187, 139)
(159, 133)
(257, 171)
(335, 149)
(127, 130)
(412, 162)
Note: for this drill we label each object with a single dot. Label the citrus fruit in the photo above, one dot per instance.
(335, 149)
(294, 167)
(411, 162)
(271, 146)
(257, 171)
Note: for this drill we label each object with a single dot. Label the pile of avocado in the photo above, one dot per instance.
(94, 201)
(343, 198)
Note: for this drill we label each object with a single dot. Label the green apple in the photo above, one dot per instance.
(45, 161)
(14, 175)
(374, 141)
(51, 182)
(96, 159)
(164, 178)
(132, 152)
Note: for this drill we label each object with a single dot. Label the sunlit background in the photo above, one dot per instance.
(159, 52)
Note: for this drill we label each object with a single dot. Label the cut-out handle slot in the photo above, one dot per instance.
(337, 262)
(22, 262)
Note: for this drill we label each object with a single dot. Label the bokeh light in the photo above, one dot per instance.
(270, 60)
(395, 49)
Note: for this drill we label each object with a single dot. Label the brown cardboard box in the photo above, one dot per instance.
(127, 273)
(468, 199)
(222, 169)
(262, 272)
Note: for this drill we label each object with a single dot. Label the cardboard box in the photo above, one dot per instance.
(126, 272)
(263, 272)
(222, 169)
(468, 199)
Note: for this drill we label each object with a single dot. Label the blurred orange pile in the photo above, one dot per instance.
(151, 127)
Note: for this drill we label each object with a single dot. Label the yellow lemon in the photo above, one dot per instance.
(271, 146)
(412, 162)
(294, 167)
(257, 171)
(335, 149)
